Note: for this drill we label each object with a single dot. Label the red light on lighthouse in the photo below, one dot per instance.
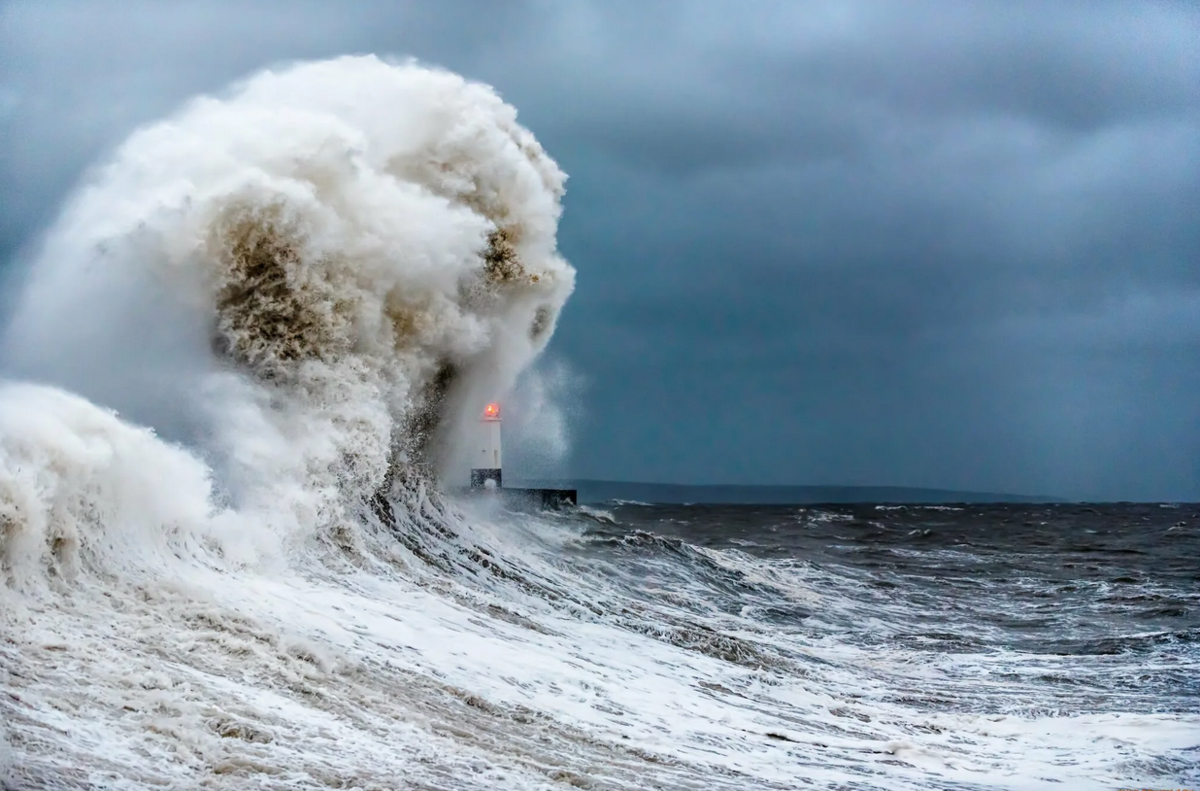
(491, 412)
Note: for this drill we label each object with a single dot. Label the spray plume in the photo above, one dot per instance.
(315, 279)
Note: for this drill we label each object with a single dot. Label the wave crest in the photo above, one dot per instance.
(353, 254)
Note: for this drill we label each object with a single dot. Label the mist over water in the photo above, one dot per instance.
(297, 296)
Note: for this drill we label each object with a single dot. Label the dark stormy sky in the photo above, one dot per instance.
(948, 244)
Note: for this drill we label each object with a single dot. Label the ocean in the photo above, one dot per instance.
(630, 646)
(238, 388)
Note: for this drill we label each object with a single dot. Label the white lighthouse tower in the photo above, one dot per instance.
(486, 461)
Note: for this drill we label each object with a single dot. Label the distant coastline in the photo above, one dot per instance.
(596, 491)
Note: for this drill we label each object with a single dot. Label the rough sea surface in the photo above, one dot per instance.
(638, 646)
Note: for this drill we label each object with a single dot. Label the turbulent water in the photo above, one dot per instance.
(308, 286)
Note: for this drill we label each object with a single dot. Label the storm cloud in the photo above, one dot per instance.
(923, 243)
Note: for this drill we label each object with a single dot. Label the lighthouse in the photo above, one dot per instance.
(485, 470)
(486, 461)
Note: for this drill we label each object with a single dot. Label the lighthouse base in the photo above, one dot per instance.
(527, 499)
(486, 478)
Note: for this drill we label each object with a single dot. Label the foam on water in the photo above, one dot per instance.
(309, 286)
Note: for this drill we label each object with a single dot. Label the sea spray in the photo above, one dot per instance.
(315, 279)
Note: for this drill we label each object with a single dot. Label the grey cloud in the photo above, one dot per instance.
(721, 86)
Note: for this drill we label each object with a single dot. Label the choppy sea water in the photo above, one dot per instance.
(635, 646)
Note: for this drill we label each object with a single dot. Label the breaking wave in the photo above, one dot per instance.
(312, 278)
(309, 287)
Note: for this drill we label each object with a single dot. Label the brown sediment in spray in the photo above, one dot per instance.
(501, 263)
(268, 313)
(543, 317)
